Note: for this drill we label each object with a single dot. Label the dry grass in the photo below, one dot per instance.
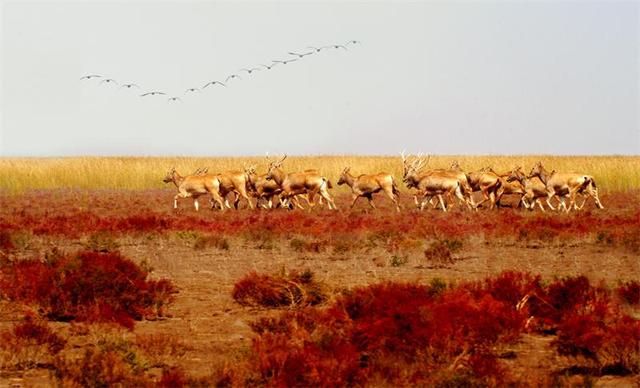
(613, 173)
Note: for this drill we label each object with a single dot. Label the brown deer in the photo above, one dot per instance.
(367, 185)
(487, 182)
(194, 186)
(262, 188)
(507, 187)
(566, 185)
(292, 184)
(534, 189)
(431, 183)
(234, 182)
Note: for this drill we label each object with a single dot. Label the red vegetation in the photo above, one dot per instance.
(36, 332)
(86, 286)
(149, 211)
(295, 289)
(407, 334)
(629, 292)
(173, 378)
(6, 243)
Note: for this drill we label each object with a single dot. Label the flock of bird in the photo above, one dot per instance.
(294, 56)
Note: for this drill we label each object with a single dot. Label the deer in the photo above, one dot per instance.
(566, 185)
(487, 182)
(261, 187)
(508, 187)
(194, 186)
(367, 185)
(292, 184)
(431, 183)
(234, 182)
(534, 189)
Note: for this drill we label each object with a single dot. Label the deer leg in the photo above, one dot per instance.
(236, 201)
(243, 193)
(550, 195)
(370, 199)
(461, 198)
(485, 198)
(592, 191)
(218, 199)
(425, 200)
(330, 203)
(354, 200)
(393, 198)
(196, 204)
(540, 205)
(442, 204)
(175, 201)
(563, 204)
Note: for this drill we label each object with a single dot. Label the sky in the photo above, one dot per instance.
(479, 77)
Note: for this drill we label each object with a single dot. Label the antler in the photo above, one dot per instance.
(420, 162)
(279, 162)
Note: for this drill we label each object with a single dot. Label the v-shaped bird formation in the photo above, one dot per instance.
(243, 72)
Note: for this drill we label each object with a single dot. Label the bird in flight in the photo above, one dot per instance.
(152, 94)
(301, 55)
(336, 46)
(90, 76)
(191, 90)
(251, 70)
(232, 76)
(213, 83)
(316, 49)
(353, 42)
(287, 61)
(129, 86)
(109, 81)
(172, 99)
(269, 67)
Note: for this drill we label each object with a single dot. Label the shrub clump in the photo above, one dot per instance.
(28, 343)
(387, 334)
(211, 241)
(441, 251)
(302, 245)
(6, 242)
(293, 290)
(86, 286)
(439, 334)
(101, 242)
(629, 292)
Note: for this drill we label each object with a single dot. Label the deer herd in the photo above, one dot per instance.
(439, 188)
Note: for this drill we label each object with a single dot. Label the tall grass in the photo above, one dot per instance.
(612, 173)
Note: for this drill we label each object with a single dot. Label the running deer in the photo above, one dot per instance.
(566, 185)
(367, 185)
(292, 184)
(431, 183)
(194, 186)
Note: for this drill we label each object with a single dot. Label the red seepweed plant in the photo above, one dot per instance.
(86, 286)
(401, 334)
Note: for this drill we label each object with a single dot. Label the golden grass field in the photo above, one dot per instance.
(612, 173)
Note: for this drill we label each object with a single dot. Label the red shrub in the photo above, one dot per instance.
(173, 378)
(87, 286)
(629, 292)
(296, 289)
(611, 341)
(393, 333)
(6, 242)
(39, 333)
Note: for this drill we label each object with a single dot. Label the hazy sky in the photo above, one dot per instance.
(439, 77)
